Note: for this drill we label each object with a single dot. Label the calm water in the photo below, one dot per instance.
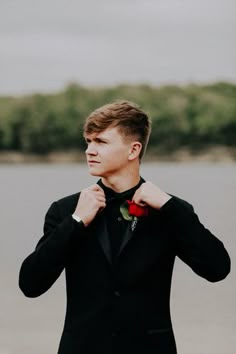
(203, 314)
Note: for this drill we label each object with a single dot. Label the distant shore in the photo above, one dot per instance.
(213, 154)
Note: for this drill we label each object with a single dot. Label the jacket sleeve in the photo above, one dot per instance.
(42, 267)
(194, 244)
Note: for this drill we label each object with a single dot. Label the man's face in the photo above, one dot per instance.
(107, 153)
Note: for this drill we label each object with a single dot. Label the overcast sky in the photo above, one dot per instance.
(44, 45)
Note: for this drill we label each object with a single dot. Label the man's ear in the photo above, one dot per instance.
(135, 149)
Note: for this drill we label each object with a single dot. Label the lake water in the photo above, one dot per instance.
(203, 314)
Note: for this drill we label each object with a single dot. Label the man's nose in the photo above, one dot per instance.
(91, 150)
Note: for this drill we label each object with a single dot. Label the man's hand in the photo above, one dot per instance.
(149, 194)
(91, 201)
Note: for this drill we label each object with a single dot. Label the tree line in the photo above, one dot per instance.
(193, 116)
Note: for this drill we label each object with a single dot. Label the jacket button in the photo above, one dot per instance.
(116, 293)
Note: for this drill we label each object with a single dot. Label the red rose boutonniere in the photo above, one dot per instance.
(132, 211)
(137, 210)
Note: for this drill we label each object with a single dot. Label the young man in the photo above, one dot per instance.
(119, 264)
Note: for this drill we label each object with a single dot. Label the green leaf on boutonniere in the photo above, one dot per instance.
(125, 212)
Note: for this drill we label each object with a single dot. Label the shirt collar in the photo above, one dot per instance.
(112, 195)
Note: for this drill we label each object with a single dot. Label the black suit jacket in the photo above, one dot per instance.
(120, 307)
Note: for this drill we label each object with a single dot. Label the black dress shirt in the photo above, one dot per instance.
(116, 224)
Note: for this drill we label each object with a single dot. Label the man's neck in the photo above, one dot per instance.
(120, 184)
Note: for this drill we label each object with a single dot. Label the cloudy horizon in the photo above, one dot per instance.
(46, 45)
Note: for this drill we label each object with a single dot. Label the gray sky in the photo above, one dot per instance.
(46, 44)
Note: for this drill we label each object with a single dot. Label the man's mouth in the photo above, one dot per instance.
(92, 161)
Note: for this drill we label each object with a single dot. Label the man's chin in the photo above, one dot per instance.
(94, 173)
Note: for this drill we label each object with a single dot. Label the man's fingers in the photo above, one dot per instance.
(95, 188)
(101, 199)
(92, 193)
(139, 201)
(138, 198)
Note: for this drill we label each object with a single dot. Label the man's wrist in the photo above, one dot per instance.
(77, 219)
(167, 204)
(165, 198)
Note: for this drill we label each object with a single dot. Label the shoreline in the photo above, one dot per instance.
(213, 154)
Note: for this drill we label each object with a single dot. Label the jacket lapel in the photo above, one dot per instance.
(100, 228)
(101, 231)
(129, 233)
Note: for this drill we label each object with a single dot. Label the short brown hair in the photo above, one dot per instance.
(127, 116)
